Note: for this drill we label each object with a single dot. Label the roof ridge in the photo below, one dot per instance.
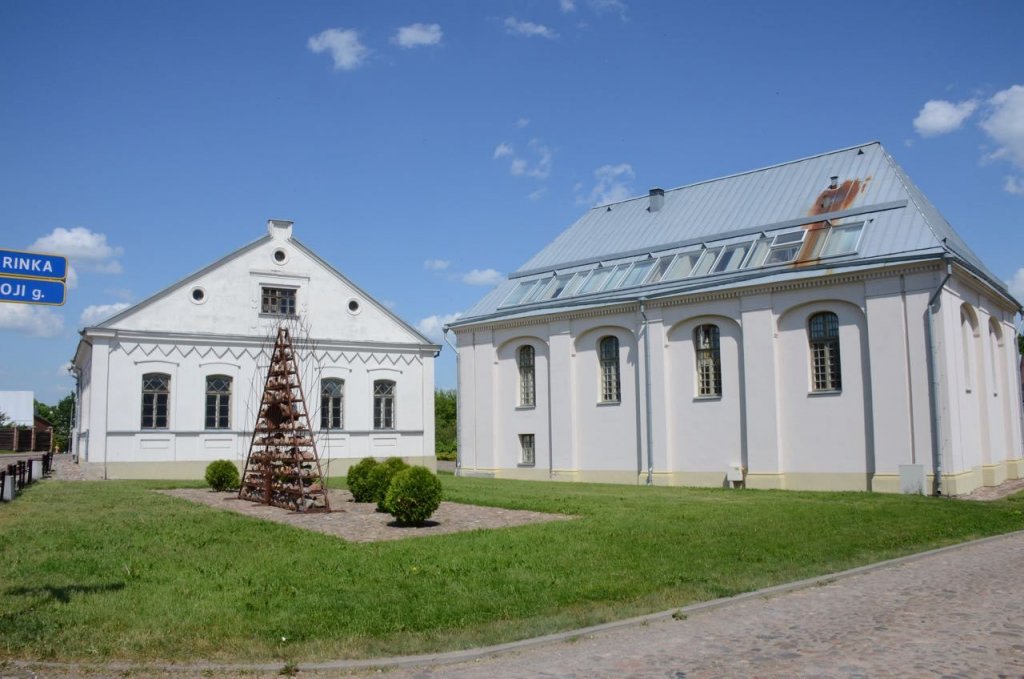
(746, 172)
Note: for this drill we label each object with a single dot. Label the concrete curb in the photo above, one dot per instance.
(452, 657)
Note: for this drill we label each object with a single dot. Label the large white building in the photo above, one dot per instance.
(812, 325)
(174, 382)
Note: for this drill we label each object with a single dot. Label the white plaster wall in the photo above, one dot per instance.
(519, 419)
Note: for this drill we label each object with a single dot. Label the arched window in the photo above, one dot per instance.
(709, 360)
(995, 340)
(826, 373)
(527, 377)
(332, 404)
(608, 348)
(968, 331)
(156, 392)
(383, 404)
(218, 402)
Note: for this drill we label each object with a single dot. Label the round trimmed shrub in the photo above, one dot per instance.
(358, 478)
(380, 479)
(414, 495)
(222, 475)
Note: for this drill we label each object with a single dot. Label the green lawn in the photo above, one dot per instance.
(95, 571)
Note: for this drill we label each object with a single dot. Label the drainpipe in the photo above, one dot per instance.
(933, 385)
(647, 394)
(458, 376)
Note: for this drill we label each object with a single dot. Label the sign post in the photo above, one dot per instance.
(32, 278)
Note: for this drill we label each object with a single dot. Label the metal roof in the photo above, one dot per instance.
(860, 183)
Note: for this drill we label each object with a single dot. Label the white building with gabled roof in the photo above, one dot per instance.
(173, 382)
(811, 325)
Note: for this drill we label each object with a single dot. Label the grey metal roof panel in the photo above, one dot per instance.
(899, 221)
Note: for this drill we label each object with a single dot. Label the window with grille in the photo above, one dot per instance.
(156, 391)
(218, 402)
(709, 360)
(527, 454)
(278, 301)
(383, 404)
(610, 387)
(527, 377)
(826, 374)
(332, 404)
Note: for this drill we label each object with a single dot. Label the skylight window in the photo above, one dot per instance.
(707, 260)
(760, 250)
(573, 286)
(616, 278)
(519, 293)
(732, 258)
(785, 247)
(555, 287)
(596, 281)
(842, 240)
(659, 268)
(535, 291)
(638, 273)
(681, 266)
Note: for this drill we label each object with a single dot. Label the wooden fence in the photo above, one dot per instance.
(26, 439)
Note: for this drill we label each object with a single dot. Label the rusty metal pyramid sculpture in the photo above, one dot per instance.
(283, 468)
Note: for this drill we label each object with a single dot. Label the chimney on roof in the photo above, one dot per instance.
(657, 198)
(279, 229)
(833, 182)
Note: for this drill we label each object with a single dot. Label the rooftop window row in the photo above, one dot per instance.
(782, 248)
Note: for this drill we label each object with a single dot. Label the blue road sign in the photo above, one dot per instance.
(31, 291)
(33, 265)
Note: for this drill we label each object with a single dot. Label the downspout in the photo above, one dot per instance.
(933, 385)
(647, 394)
(458, 377)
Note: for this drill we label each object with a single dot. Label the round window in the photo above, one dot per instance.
(198, 295)
(280, 256)
(353, 306)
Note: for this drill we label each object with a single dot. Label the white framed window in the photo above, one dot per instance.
(527, 450)
(785, 247)
(732, 257)
(842, 240)
(638, 273)
(707, 345)
(681, 266)
(611, 389)
(706, 261)
(519, 293)
(279, 301)
(332, 404)
(823, 336)
(218, 402)
(156, 395)
(384, 404)
(527, 377)
(556, 287)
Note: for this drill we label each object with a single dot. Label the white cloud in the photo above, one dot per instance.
(62, 371)
(606, 6)
(567, 5)
(518, 167)
(539, 193)
(1004, 123)
(391, 304)
(482, 277)
(1016, 285)
(1014, 185)
(344, 45)
(85, 247)
(72, 280)
(528, 29)
(941, 117)
(36, 321)
(612, 184)
(418, 35)
(503, 150)
(432, 327)
(96, 313)
(522, 122)
(436, 264)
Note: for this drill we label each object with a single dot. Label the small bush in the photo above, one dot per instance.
(222, 475)
(414, 495)
(358, 479)
(380, 479)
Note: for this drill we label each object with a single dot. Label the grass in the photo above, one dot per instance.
(110, 571)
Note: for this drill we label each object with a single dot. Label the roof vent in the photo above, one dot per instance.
(833, 182)
(657, 197)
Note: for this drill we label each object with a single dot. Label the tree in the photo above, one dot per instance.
(61, 417)
(3, 419)
(445, 435)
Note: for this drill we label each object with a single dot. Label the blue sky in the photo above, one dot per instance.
(424, 149)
